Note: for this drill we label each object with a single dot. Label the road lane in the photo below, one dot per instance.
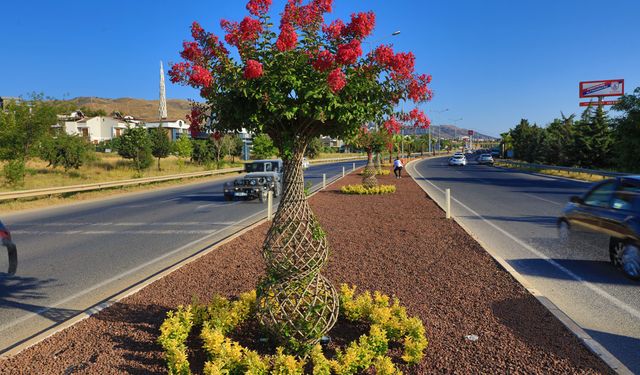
(514, 214)
(73, 257)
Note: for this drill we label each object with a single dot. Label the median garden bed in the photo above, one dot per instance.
(477, 318)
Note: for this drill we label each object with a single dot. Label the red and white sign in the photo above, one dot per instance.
(470, 132)
(603, 102)
(608, 87)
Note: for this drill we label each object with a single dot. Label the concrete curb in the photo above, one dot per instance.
(591, 344)
(39, 337)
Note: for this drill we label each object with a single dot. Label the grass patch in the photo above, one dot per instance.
(553, 172)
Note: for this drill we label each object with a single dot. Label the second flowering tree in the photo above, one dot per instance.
(297, 81)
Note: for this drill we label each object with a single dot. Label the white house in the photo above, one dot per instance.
(173, 127)
(99, 128)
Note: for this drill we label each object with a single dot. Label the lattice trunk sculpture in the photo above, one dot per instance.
(378, 163)
(369, 179)
(296, 301)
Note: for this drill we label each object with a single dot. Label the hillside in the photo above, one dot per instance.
(138, 108)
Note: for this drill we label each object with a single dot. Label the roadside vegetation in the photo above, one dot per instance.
(595, 140)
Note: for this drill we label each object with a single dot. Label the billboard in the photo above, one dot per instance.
(470, 132)
(607, 87)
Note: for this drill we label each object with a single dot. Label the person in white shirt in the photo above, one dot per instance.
(397, 168)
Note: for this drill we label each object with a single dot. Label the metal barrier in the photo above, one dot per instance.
(137, 181)
(559, 168)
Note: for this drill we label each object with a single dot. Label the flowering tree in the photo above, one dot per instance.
(307, 79)
(372, 141)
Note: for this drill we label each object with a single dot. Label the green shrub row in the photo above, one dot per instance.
(361, 190)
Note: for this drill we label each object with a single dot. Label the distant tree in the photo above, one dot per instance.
(263, 147)
(24, 125)
(237, 149)
(627, 133)
(202, 153)
(91, 112)
(221, 145)
(160, 144)
(528, 141)
(135, 144)
(593, 138)
(68, 151)
(314, 148)
(183, 148)
(560, 142)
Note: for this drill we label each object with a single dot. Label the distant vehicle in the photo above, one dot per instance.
(468, 152)
(263, 176)
(305, 163)
(485, 159)
(12, 252)
(458, 160)
(607, 215)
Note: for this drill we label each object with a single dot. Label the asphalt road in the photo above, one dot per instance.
(73, 257)
(514, 215)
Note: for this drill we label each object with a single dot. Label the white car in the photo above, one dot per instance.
(305, 163)
(458, 160)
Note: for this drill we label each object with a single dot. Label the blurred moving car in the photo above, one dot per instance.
(607, 215)
(263, 176)
(458, 160)
(5, 237)
(485, 159)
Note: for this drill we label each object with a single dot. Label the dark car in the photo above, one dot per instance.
(5, 238)
(607, 215)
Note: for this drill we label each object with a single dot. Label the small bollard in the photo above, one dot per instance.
(324, 180)
(448, 203)
(343, 174)
(354, 167)
(269, 205)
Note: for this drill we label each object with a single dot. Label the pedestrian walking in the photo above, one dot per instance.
(397, 167)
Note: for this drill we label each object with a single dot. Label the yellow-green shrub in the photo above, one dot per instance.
(389, 321)
(361, 190)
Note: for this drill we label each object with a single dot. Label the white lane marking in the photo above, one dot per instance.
(200, 208)
(171, 199)
(99, 232)
(543, 199)
(117, 277)
(620, 304)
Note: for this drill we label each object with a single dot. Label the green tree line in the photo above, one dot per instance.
(595, 140)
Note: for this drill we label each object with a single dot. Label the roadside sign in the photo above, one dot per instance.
(470, 132)
(608, 87)
(603, 102)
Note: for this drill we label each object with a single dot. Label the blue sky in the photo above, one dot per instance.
(493, 61)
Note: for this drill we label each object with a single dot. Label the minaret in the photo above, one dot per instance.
(162, 108)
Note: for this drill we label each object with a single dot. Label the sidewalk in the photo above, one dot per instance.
(399, 244)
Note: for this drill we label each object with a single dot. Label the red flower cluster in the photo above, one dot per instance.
(196, 30)
(288, 37)
(336, 80)
(195, 119)
(258, 7)
(403, 64)
(214, 47)
(191, 51)
(200, 77)
(383, 55)
(418, 90)
(419, 118)
(253, 70)
(305, 16)
(233, 32)
(392, 125)
(250, 29)
(334, 30)
(349, 53)
(324, 61)
(361, 25)
(178, 72)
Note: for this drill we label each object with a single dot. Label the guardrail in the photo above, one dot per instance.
(595, 172)
(136, 181)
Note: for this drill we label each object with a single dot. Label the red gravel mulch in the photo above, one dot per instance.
(400, 244)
